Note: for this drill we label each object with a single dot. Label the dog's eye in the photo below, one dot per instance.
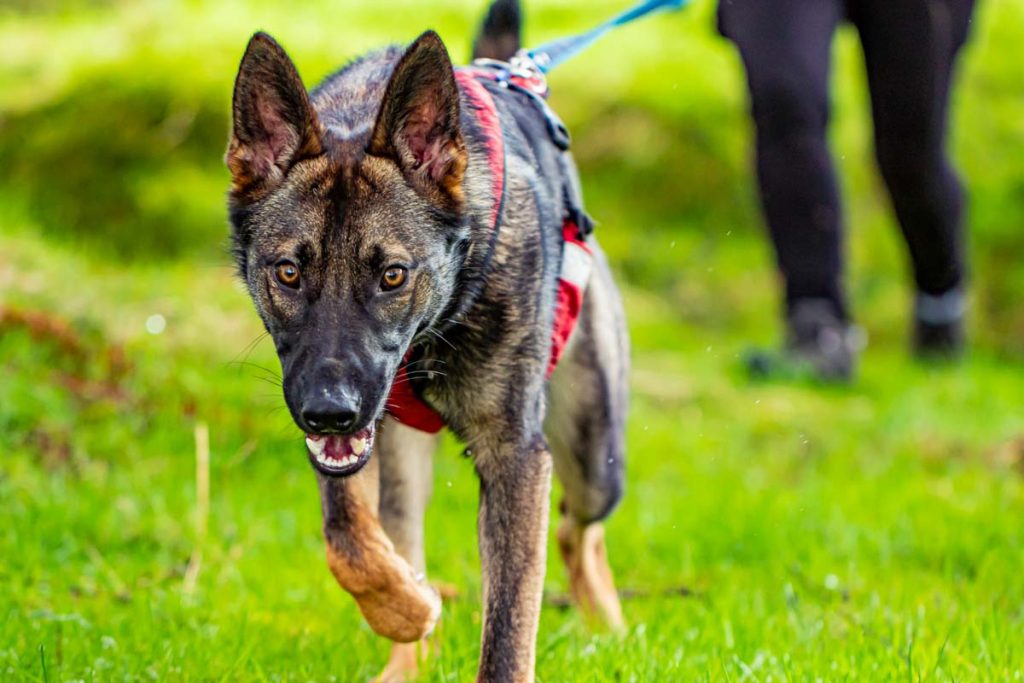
(287, 274)
(393, 278)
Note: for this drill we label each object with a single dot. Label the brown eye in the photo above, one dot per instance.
(287, 274)
(393, 278)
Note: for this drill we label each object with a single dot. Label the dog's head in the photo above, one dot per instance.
(347, 227)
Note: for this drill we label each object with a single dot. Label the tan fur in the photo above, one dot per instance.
(403, 664)
(396, 603)
(590, 578)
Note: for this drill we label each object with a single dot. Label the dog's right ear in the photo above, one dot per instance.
(273, 123)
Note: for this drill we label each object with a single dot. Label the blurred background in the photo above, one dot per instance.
(770, 530)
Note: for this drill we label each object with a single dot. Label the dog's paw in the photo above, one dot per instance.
(403, 609)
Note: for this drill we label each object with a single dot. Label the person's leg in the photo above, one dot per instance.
(910, 50)
(786, 48)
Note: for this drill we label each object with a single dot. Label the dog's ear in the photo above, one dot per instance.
(273, 123)
(418, 122)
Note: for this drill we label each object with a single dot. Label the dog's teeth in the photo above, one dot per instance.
(357, 445)
(316, 446)
(321, 458)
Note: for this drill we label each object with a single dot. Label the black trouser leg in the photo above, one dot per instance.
(786, 48)
(910, 49)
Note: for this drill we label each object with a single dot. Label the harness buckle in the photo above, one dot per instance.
(520, 70)
(523, 74)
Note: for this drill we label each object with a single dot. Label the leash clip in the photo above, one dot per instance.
(528, 73)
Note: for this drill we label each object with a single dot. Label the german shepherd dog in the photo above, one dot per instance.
(360, 215)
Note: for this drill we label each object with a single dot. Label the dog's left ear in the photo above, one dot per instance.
(418, 122)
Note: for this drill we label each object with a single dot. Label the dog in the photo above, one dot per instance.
(390, 249)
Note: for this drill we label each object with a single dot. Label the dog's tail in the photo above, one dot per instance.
(499, 36)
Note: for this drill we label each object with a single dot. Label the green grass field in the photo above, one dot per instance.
(770, 531)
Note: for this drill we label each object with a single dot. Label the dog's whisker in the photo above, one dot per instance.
(255, 366)
(426, 360)
(424, 375)
(441, 337)
(251, 346)
(274, 411)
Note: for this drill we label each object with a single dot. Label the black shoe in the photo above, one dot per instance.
(939, 325)
(819, 345)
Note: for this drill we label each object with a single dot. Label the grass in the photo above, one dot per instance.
(780, 531)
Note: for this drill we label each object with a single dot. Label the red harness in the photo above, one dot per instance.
(403, 403)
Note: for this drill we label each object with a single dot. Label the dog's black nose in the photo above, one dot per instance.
(333, 412)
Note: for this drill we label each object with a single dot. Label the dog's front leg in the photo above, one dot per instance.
(393, 597)
(515, 482)
(406, 478)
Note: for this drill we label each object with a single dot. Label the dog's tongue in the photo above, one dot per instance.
(335, 450)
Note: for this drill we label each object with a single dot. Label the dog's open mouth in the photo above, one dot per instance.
(338, 456)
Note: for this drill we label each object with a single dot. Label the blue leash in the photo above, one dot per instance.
(550, 55)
